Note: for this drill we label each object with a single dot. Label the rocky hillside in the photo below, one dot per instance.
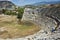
(46, 16)
(46, 2)
(6, 5)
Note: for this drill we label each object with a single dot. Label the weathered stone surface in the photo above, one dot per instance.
(38, 16)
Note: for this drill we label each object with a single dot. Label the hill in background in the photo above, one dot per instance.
(6, 5)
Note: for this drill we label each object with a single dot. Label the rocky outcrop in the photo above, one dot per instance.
(47, 17)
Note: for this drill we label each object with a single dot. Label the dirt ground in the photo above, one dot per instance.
(9, 27)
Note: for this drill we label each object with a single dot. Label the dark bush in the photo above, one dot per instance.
(10, 13)
(20, 12)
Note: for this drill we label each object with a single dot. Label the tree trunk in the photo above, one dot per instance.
(19, 21)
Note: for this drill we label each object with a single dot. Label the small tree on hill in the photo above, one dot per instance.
(20, 13)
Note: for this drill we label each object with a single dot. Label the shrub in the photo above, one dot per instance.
(10, 13)
(20, 12)
(3, 10)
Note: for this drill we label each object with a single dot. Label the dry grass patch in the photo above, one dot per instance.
(11, 29)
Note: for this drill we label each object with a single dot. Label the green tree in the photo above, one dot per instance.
(20, 14)
(3, 11)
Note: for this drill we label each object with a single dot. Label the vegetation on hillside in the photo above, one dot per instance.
(20, 14)
(17, 12)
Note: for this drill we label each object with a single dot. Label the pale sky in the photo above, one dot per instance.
(25, 2)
